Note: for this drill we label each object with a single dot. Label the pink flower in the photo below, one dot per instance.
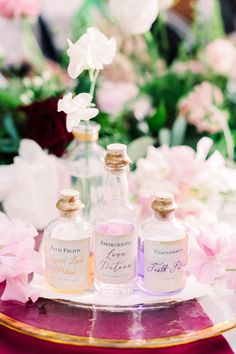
(202, 108)
(112, 96)
(141, 107)
(15, 231)
(18, 259)
(182, 160)
(18, 289)
(17, 8)
(199, 182)
(193, 66)
(219, 56)
(230, 264)
(231, 279)
(208, 258)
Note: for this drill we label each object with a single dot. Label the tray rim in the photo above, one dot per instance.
(69, 339)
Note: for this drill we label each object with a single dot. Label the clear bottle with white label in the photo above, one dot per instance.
(67, 246)
(163, 249)
(115, 243)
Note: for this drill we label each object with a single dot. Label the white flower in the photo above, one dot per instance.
(91, 51)
(29, 187)
(77, 108)
(134, 16)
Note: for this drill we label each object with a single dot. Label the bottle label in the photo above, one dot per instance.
(67, 264)
(164, 265)
(115, 258)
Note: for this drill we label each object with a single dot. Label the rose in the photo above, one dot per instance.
(15, 8)
(134, 16)
(77, 108)
(220, 56)
(46, 126)
(91, 51)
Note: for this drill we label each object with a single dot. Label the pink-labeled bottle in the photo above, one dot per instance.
(115, 243)
(163, 249)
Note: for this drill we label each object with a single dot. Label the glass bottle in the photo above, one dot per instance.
(67, 246)
(163, 249)
(115, 243)
(85, 161)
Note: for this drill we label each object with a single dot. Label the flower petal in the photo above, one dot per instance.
(78, 56)
(64, 104)
(18, 289)
(82, 100)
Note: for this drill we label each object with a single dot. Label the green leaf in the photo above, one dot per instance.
(138, 147)
(9, 146)
(10, 127)
(178, 131)
(8, 100)
(164, 136)
(158, 119)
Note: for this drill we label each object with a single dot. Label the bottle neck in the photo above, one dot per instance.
(75, 214)
(164, 217)
(116, 185)
(87, 144)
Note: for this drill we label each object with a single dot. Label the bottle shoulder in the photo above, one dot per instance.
(163, 230)
(114, 210)
(68, 229)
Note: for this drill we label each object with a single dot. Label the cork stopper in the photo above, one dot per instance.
(163, 203)
(117, 157)
(86, 132)
(69, 203)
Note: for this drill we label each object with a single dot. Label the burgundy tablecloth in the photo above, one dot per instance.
(15, 343)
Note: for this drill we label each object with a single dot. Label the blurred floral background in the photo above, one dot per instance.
(170, 85)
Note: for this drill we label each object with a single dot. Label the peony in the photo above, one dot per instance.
(92, 51)
(15, 8)
(112, 96)
(77, 108)
(220, 56)
(202, 108)
(134, 16)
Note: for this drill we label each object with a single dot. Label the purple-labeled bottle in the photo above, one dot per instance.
(163, 249)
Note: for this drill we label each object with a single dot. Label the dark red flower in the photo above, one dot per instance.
(46, 126)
